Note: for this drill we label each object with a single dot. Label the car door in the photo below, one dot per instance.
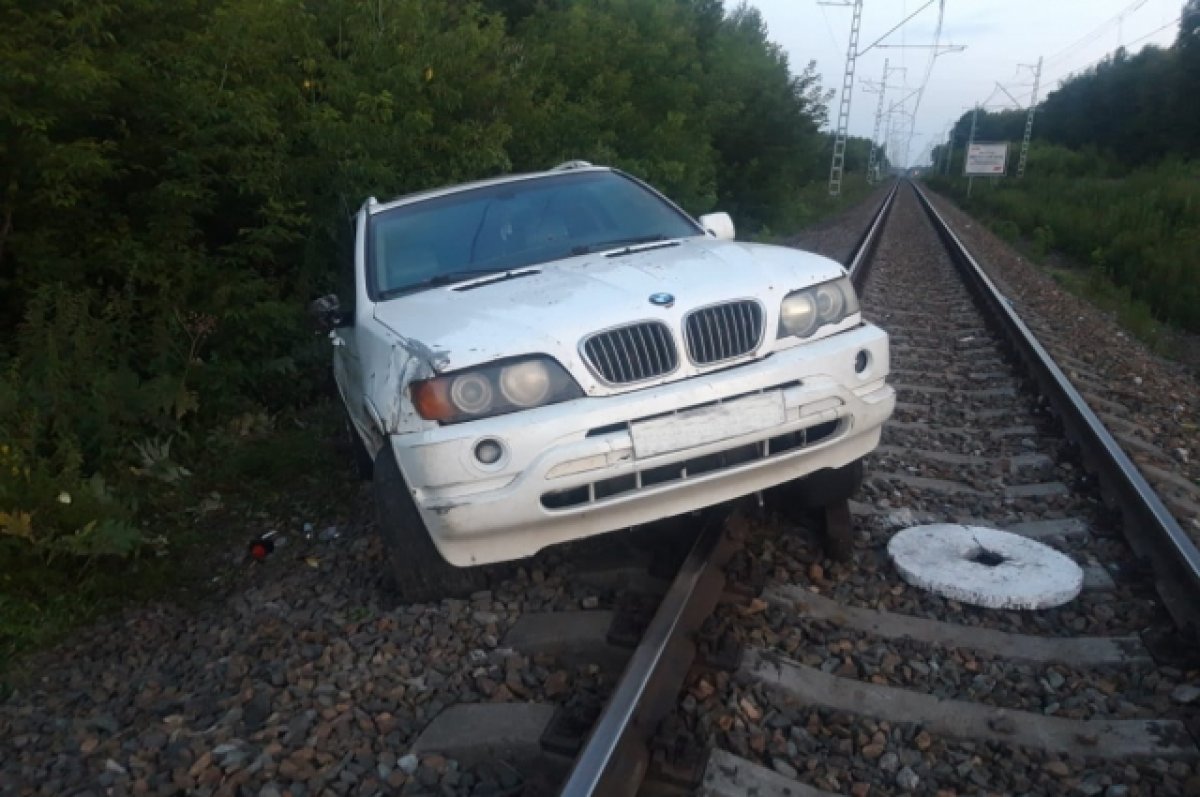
(347, 357)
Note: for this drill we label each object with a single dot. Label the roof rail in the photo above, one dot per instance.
(566, 166)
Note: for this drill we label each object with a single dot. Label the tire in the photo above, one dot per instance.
(819, 489)
(420, 573)
(364, 466)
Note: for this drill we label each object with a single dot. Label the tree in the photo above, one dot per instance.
(765, 119)
(174, 177)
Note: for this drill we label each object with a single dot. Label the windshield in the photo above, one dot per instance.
(515, 224)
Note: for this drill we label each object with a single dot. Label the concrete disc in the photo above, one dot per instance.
(985, 567)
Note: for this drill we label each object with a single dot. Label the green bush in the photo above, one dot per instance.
(1141, 230)
(1008, 229)
(174, 176)
(85, 425)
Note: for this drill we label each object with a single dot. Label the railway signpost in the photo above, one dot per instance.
(986, 158)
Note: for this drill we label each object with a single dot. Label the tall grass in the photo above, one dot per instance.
(1138, 229)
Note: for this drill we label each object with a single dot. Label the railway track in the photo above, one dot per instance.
(813, 677)
(758, 665)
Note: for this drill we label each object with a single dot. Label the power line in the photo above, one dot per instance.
(1099, 31)
(933, 54)
(989, 99)
(1008, 94)
(1040, 80)
(829, 28)
(1156, 30)
(935, 49)
(852, 55)
(1095, 61)
(896, 27)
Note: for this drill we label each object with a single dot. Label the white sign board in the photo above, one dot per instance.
(986, 158)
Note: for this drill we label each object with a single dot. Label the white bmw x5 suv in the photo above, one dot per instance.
(543, 357)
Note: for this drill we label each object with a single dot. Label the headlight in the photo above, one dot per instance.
(831, 304)
(798, 314)
(471, 393)
(525, 384)
(804, 312)
(494, 389)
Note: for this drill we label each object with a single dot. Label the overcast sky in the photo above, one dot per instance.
(998, 34)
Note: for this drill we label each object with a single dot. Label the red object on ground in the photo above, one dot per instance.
(260, 548)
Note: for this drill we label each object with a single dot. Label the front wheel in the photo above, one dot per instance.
(419, 571)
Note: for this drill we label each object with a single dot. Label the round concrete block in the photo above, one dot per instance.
(985, 567)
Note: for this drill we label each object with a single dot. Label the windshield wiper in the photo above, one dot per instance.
(587, 249)
(448, 278)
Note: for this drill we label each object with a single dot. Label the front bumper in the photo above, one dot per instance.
(571, 470)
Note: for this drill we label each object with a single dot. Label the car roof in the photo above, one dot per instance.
(569, 167)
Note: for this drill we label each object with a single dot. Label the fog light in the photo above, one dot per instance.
(861, 360)
(488, 451)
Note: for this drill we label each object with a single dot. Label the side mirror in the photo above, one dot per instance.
(327, 312)
(718, 225)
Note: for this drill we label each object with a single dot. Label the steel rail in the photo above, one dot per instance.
(613, 761)
(1149, 526)
(860, 259)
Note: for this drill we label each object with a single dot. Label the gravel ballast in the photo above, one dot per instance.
(307, 678)
(1151, 404)
(969, 445)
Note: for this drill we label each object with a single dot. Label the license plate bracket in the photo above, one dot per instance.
(709, 424)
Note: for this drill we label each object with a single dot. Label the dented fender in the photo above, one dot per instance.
(408, 360)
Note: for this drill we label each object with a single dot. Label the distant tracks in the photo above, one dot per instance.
(967, 444)
(767, 668)
(1151, 529)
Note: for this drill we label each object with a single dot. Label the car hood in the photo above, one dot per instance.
(550, 311)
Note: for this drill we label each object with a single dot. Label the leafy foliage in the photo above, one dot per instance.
(1113, 180)
(174, 178)
(1133, 109)
(1141, 231)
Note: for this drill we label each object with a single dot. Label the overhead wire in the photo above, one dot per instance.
(895, 27)
(1098, 59)
(1096, 32)
(933, 54)
(1047, 80)
(829, 29)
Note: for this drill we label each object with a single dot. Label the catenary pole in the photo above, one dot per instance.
(944, 165)
(1037, 78)
(843, 119)
(967, 152)
(873, 163)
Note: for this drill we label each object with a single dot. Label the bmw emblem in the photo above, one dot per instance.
(662, 299)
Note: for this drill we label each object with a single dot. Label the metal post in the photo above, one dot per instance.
(1037, 79)
(967, 151)
(888, 137)
(948, 155)
(873, 164)
(843, 121)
